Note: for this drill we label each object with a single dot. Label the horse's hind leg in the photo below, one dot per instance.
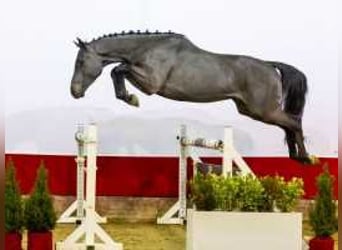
(294, 133)
(296, 136)
(291, 142)
(302, 153)
(278, 118)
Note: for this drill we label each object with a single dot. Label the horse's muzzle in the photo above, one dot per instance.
(76, 90)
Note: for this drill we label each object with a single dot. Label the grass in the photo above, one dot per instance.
(136, 236)
(148, 236)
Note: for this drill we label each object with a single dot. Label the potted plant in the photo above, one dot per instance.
(39, 214)
(13, 210)
(322, 215)
(229, 210)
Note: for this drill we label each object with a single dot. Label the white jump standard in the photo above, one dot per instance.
(177, 213)
(85, 235)
(75, 212)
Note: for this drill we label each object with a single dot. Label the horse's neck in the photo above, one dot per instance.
(125, 48)
(114, 48)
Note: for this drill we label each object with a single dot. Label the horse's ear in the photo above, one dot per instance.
(79, 43)
(76, 43)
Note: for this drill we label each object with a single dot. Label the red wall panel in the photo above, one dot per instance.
(149, 176)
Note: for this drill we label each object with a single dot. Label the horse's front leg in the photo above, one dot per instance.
(118, 75)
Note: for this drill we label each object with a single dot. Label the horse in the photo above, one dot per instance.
(170, 65)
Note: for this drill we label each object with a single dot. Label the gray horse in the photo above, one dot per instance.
(169, 65)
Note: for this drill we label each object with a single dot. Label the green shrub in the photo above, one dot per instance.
(291, 192)
(219, 191)
(272, 192)
(202, 192)
(245, 193)
(322, 214)
(39, 213)
(232, 189)
(13, 202)
(250, 193)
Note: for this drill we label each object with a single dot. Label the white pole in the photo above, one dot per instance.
(80, 160)
(80, 188)
(227, 165)
(91, 182)
(182, 179)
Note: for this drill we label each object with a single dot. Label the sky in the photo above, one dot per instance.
(38, 52)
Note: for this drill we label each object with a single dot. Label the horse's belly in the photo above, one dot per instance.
(192, 92)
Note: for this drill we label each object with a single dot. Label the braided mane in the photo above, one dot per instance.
(137, 33)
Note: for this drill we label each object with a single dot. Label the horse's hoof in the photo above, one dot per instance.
(306, 160)
(313, 160)
(133, 100)
(309, 160)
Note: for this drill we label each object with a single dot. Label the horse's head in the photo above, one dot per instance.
(88, 67)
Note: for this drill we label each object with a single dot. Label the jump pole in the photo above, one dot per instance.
(177, 213)
(83, 237)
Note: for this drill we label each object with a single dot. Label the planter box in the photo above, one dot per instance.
(39, 241)
(243, 231)
(13, 241)
(321, 243)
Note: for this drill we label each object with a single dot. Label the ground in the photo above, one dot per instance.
(136, 236)
(149, 236)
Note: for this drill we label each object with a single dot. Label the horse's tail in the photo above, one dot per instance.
(294, 89)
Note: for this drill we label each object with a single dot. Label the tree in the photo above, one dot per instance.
(13, 201)
(39, 213)
(322, 214)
